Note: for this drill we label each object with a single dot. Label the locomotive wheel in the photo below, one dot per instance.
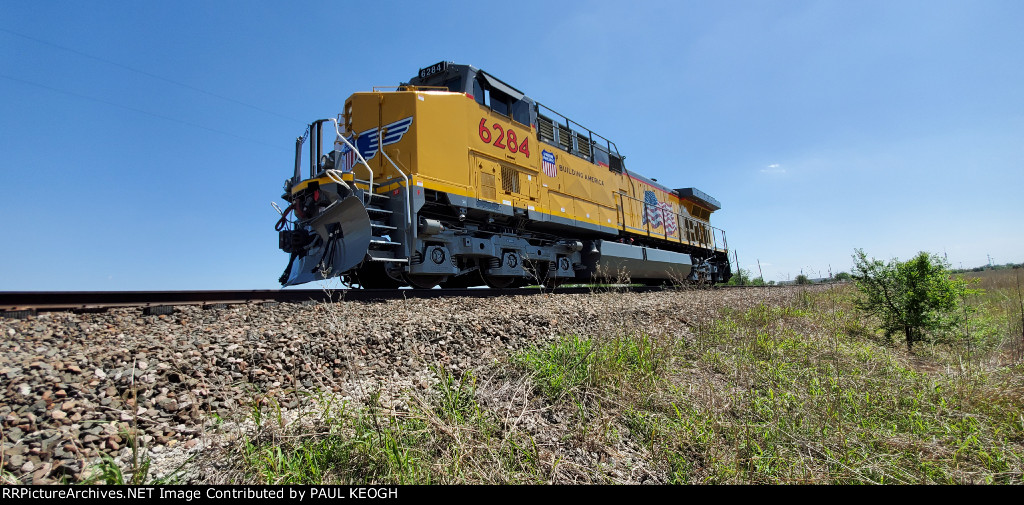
(463, 281)
(553, 283)
(423, 281)
(382, 282)
(373, 276)
(653, 282)
(499, 282)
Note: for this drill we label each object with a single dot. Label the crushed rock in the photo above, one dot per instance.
(78, 386)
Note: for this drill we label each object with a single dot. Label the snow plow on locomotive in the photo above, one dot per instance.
(457, 178)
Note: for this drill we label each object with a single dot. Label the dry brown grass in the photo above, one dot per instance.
(1001, 306)
(787, 385)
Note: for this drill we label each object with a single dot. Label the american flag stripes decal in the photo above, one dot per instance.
(670, 218)
(653, 211)
(657, 213)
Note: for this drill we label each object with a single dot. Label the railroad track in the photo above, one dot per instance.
(20, 304)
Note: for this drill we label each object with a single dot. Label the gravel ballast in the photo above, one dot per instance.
(74, 385)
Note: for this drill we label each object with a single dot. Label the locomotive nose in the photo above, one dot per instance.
(343, 238)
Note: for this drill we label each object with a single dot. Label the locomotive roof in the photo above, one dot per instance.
(445, 73)
(474, 81)
(700, 196)
(650, 182)
(693, 194)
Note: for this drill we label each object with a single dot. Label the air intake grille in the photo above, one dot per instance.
(487, 187)
(565, 137)
(509, 180)
(546, 129)
(584, 145)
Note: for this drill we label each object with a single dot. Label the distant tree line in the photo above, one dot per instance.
(982, 268)
(745, 278)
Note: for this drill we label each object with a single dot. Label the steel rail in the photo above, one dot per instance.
(14, 301)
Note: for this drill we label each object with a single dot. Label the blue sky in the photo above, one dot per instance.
(141, 143)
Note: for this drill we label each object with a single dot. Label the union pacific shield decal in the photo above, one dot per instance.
(548, 163)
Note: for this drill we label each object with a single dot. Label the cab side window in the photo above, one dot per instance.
(478, 92)
(498, 98)
(500, 102)
(521, 112)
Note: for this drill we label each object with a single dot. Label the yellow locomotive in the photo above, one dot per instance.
(459, 179)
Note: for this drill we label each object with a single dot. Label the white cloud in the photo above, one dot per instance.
(773, 169)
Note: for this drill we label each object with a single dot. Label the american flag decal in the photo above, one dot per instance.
(348, 157)
(652, 213)
(670, 218)
(548, 163)
(657, 213)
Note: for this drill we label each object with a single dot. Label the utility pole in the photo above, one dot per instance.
(739, 271)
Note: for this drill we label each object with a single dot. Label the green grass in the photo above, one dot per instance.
(574, 366)
(811, 399)
(795, 389)
(338, 444)
(448, 439)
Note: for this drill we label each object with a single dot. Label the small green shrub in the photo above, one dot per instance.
(916, 297)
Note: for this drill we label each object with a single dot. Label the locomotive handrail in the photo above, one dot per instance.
(408, 201)
(611, 145)
(408, 189)
(725, 243)
(680, 218)
(359, 155)
(410, 87)
(332, 175)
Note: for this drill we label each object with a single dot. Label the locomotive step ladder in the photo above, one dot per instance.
(382, 246)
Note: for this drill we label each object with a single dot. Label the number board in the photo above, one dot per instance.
(433, 69)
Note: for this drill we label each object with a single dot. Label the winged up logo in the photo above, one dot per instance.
(368, 143)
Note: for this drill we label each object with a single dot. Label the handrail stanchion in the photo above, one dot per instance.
(408, 189)
(358, 155)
